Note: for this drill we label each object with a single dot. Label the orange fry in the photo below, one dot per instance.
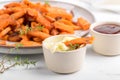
(54, 32)
(20, 21)
(31, 23)
(44, 22)
(63, 32)
(37, 39)
(24, 37)
(12, 10)
(2, 11)
(45, 30)
(55, 12)
(13, 4)
(86, 40)
(4, 23)
(4, 16)
(49, 18)
(63, 27)
(30, 43)
(5, 31)
(84, 24)
(41, 8)
(28, 3)
(2, 42)
(67, 22)
(39, 34)
(34, 24)
(5, 37)
(32, 12)
(18, 15)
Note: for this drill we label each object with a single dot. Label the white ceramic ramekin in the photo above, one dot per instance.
(105, 44)
(63, 62)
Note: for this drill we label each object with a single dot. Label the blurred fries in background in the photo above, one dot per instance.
(30, 23)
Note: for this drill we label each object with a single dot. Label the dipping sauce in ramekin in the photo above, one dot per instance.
(106, 37)
(60, 59)
(108, 28)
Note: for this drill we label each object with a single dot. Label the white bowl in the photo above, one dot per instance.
(78, 11)
(64, 61)
(105, 44)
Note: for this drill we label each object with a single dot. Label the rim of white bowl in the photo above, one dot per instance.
(71, 51)
(102, 23)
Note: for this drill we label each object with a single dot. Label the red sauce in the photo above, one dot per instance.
(108, 28)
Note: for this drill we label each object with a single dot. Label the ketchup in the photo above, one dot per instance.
(108, 28)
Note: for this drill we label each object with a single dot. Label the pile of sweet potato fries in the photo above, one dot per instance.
(30, 23)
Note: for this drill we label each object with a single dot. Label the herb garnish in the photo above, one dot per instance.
(74, 46)
(23, 32)
(7, 62)
(40, 28)
(17, 45)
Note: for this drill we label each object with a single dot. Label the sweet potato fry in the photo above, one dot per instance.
(86, 40)
(30, 43)
(49, 18)
(63, 27)
(31, 23)
(63, 32)
(12, 10)
(4, 16)
(67, 22)
(5, 31)
(39, 34)
(44, 22)
(14, 38)
(34, 24)
(38, 27)
(62, 15)
(28, 3)
(24, 38)
(84, 24)
(41, 8)
(59, 12)
(13, 4)
(20, 21)
(2, 42)
(4, 23)
(5, 37)
(55, 9)
(18, 15)
(32, 12)
(6, 20)
(54, 32)
(2, 11)
(37, 39)
(45, 30)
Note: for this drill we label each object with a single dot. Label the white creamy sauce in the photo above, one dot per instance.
(59, 46)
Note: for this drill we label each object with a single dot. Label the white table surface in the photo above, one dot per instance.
(96, 67)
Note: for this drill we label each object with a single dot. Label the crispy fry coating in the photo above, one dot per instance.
(30, 23)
